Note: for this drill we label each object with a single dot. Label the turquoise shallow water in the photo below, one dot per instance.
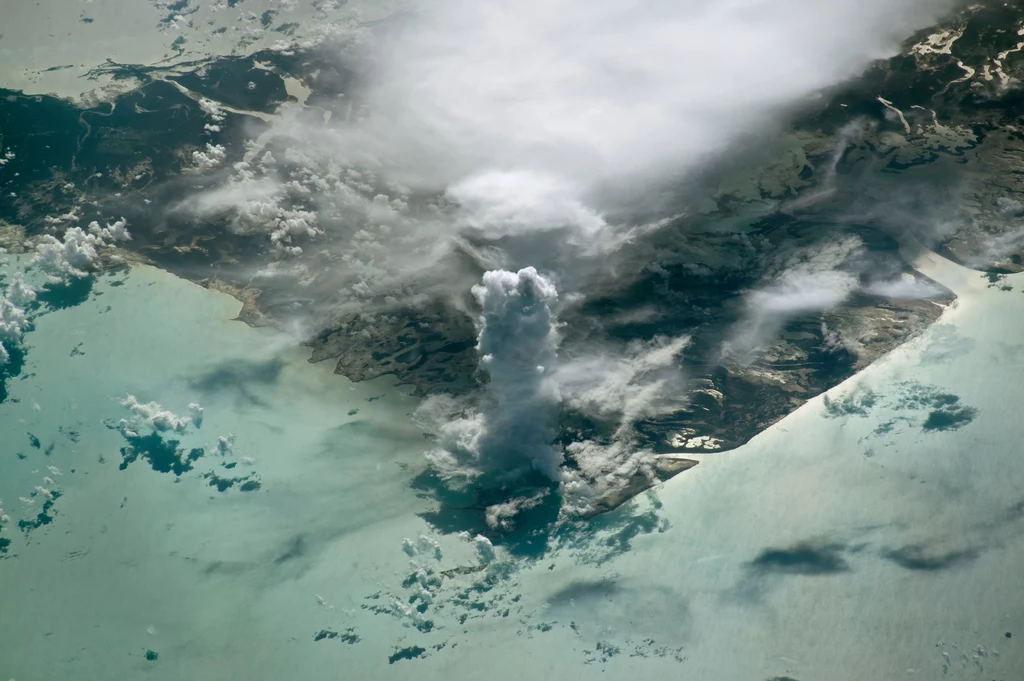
(877, 533)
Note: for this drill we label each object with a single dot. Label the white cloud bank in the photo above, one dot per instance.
(209, 158)
(13, 317)
(77, 254)
(528, 111)
(538, 116)
(529, 127)
(13, 322)
(157, 418)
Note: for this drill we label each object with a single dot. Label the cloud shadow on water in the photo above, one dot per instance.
(465, 511)
(805, 558)
(241, 377)
(920, 558)
(63, 296)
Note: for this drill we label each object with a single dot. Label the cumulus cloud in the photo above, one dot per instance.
(118, 231)
(209, 158)
(74, 256)
(255, 203)
(423, 545)
(196, 412)
(159, 419)
(225, 443)
(601, 468)
(501, 516)
(511, 427)
(485, 552)
(19, 293)
(77, 254)
(214, 111)
(13, 319)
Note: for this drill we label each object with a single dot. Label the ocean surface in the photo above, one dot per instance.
(876, 533)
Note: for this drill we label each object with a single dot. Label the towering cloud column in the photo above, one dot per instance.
(507, 427)
(518, 345)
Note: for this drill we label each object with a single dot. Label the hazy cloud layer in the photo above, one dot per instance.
(816, 279)
(514, 136)
(566, 97)
(500, 121)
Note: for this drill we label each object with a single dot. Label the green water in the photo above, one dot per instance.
(861, 537)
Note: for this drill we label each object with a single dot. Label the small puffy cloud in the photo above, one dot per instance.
(257, 205)
(70, 216)
(501, 516)
(156, 417)
(111, 232)
(225, 443)
(214, 111)
(423, 546)
(484, 549)
(76, 255)
(13, 324)
(210, 158)
(197, 414)
(19, 293)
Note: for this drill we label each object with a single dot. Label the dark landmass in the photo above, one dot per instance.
(877, 160)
